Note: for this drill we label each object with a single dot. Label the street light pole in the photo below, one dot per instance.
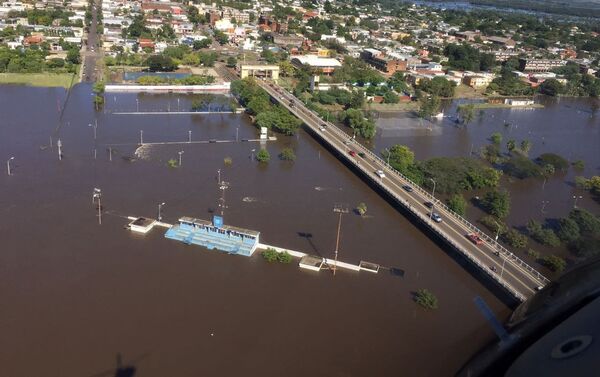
(8, 165)
(137, 105)
(159, 208)
(141, 137)
(189, 136)
(497, 230)
(97, 194)
(576, 198)
(433, 201)
(180, 153)
(219, 176)
(544, 202)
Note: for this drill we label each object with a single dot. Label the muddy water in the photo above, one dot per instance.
(568, 127)
(75, 293)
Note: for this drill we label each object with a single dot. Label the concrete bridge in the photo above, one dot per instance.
(499, 264)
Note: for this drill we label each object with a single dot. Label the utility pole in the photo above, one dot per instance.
(219, 176)
(180, 153)
(8, 165)
(189, 135)
(137, 105)
(109, 153)
(141, 137)
(340, 209)
(237, 134)
(59, 145)
(544, 203)
(97, 195)
(223, 186)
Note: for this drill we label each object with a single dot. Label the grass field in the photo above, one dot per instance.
(38, 79)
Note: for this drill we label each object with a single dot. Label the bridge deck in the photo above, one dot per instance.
(512, 273)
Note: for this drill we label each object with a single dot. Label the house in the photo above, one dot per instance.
(379, 60)
(477, 81)
(540, 65)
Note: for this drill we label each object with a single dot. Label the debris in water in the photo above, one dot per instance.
(249, 199)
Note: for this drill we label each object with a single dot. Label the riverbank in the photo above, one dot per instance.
(486, 105)
(65, 80)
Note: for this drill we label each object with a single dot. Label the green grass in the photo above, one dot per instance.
(38, 79)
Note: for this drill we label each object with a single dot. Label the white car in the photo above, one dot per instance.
(380, 173)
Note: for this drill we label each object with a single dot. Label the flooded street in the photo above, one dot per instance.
(75, 293)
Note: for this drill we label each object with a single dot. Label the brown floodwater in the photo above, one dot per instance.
(75, 293)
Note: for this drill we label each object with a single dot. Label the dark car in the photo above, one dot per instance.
(362, 154)
(428, 204)
(407, 188)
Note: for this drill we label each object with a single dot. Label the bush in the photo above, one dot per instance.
(585, 247)
(553, 159)
(579, 165)
(533, 253)
(172, 163)
(361, 208)
(284, 257)
(263, 156)
(228, 161)
(287, 154)
(587, 222)
(568, 230)
(426, 299)
(521, 167)
(270, 255)
(458, 204)
(496, 138)
(493, 224)
(554, 263)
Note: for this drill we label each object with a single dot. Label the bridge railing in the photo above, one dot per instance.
(507, 254)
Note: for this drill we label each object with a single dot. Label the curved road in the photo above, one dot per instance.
(514, 275)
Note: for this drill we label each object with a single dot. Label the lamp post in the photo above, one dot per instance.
(575, 197)
(141, 137)
(8, 165)
(544, 203)
(137, 105)
(219, 176)
(189, 136)
(180, 153)
(253, 150)
(97, 195)
(387, 150)
(433, 200)
(497, 230)
(159, 208)
(340, 210)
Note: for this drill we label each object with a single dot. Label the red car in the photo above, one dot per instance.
(474, 238)
(352, 153)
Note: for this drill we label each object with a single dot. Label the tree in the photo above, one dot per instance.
(426, 299)
(73, 56)
(496, 203)
(514, 239)
(429, 106)
(543, 235)
(587, 222)
(458, 204)
(231, 61)
(221, 37)
(551, 87)
(204, 43)
(400, 157)
(157, 63)
(556, 161)
(263, 156)
(554, 263)
(287, 154)
(361, 208)
(568, 230)
(362, 125)
(466, 113)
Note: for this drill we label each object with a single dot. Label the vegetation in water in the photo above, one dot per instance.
(426, 299)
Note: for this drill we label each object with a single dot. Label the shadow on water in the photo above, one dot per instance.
(308, 237)
(121, 370)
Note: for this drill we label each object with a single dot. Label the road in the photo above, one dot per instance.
(502, 266)
(91, 50)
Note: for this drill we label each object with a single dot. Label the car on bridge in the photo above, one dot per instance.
(352, 153)
(380, 173)
(474, 238)
(323, 127)
(407, 188)
(436, 217)
(428, 204)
